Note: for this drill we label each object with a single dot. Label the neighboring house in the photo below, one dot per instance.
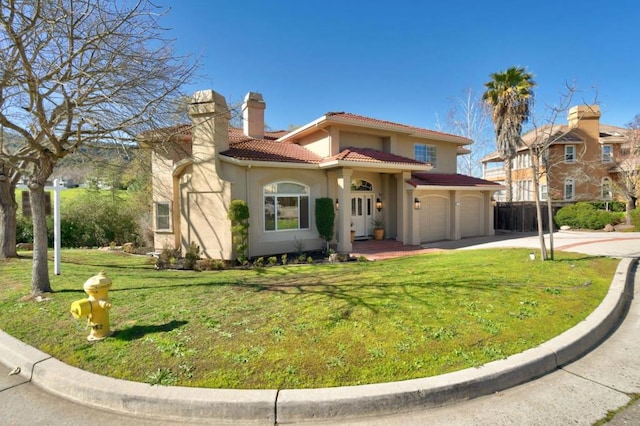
(372, 169)
(584, 160)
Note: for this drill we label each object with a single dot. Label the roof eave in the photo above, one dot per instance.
(374, 165)
(460, 188)
(400, 129)
(272, 164)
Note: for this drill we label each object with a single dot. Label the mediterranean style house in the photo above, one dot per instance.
(585, 157)
(402, 176)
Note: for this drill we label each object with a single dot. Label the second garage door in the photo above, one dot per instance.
(471, 217)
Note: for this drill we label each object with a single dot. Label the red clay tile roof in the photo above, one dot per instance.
(368, 120)
(237, 135)
(444, 179)
(371, 156)
(268, 150)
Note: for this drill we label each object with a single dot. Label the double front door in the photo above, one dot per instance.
(362, 214)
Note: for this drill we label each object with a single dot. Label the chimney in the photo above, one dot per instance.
(253, 115)
(583, 112)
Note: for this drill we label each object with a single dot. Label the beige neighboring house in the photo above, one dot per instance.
(585, 160)
(405, 176)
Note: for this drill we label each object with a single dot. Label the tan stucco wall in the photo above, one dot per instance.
(263, 242)
(162, 182)
(360, 140)
(318, 143)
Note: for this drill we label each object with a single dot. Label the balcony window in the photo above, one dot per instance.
(607, 153)
(426, 154)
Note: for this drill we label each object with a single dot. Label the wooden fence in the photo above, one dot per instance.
(520, 216)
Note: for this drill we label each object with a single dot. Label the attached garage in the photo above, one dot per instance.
(434, 219)
(471, 216)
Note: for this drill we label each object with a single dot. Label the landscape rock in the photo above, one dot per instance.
(565, 227)
(609, 228)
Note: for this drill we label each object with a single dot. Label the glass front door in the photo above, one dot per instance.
(362, 214)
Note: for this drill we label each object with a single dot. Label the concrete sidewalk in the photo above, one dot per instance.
(575, 392)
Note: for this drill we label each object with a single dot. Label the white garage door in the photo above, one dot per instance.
(434, 219)
(471, 217)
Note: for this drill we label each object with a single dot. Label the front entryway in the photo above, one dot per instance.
(362, 215)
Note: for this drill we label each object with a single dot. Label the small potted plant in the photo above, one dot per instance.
(353, 232)
(378, 228)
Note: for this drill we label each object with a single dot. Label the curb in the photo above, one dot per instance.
(306, 405)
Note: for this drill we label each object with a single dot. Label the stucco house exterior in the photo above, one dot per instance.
(585, 157)
(405, 176)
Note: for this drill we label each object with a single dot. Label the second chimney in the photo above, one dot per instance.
(253, 115)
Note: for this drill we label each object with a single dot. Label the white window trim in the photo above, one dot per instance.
(606, 181)
(573, 189)
(610, 160)
(169, 216)
(434, 164)
(284, 194)
(566, 148)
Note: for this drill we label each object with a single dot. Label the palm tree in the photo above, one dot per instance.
(511, 99)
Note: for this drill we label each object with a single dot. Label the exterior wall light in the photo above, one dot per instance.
(378, 204)
(337, 204)
(417, 204)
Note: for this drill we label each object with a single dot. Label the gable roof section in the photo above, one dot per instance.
(367, 155)
(270, 151)
(332, 118)
(455, 181)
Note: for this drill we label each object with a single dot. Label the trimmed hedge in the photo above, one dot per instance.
(584, 216)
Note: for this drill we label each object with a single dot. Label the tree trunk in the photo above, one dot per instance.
(550, 214)
(8, 221)
(630, 205)
(40, 273)
(507, 182)
(536, 196)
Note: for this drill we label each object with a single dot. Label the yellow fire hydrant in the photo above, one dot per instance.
(95, 307)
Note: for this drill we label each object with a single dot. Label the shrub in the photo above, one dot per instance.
(584, 216)
(614, 206)
(191, 256)
(97, 219)
(325, 217)
(167, 258)
(239, 216)
(209, 265)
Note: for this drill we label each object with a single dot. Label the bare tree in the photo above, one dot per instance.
(75, 72)
(627, 168)
(9, 177)
(545, 133)
(470, 117)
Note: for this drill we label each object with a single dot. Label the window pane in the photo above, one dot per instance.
(162, 222)
(287, 213)
(271, 189)
(163, 216)
(269, 213)
(304, 212)
(291, 188)
(420, 152)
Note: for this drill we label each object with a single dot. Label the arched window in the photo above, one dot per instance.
(286, 206)
(606, 190)
(569, 189)
(361, 185)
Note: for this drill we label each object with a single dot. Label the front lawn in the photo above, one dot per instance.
(307, 325)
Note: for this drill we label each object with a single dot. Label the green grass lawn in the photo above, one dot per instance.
(307, 325)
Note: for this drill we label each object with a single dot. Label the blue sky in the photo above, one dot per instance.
(405, 61)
